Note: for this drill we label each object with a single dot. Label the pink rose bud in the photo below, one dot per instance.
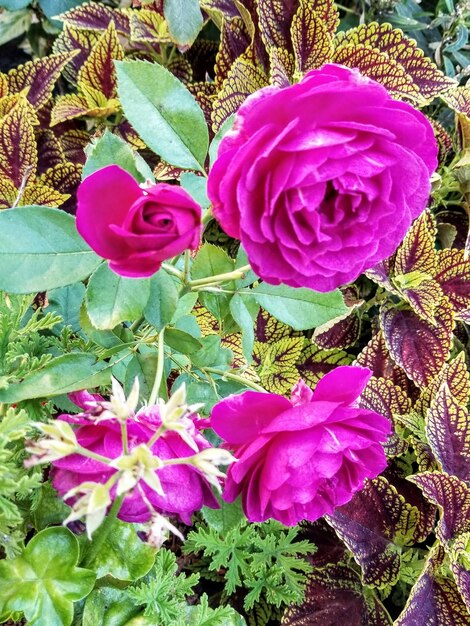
(321, 180)
(136, 228)
(301, 458)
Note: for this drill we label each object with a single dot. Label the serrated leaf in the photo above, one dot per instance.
(448, 433)
(234, 40)
(311, 40)
(458, 98)
(434, 599)
(314, 362)
(40, 249)
(44, 581)
(38, 193)
(374, 525)
(459, 555)
(163, 299)
(81, 42)
(164, 113)
(18, 152)
(268, 328)
(340, 332)
(98, 71)
(302, 309)
(452, 497)
(282, 66)
(417, 251)
(423, 298)
(275, 18)
(38, 77)
(242, 316)
(453, 275)
(50, 151)
(377, 358)
(73, 143)
(243, 79)
(420, 348)
(63, 374)
(184, 20)
(8, 193)
(96, 16)
(14, 24)
(428, 81)
(69, 107)
(112, 299)
(148, 25)
(335, 593)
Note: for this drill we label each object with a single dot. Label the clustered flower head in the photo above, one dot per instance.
(300, 458)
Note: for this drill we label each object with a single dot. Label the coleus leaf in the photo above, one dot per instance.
(419, 347)
(458, 98)
(334, 595)
(448, 433)
(50, 151)
(44, 581)
(342, 331)
(79, 41)
(434, 599)
(243, 79)
(452, 497)
(64, 177)
(98, 71)
(38, 193)
(268, 328)
(459, 564)
(73, 143)
(18, 152)
(8, 193)
(428, 81)
(453, 276)
(282, 66)
(374, 525)
(234, 40)
(314, 362)
(96, 16)
(275, 18)
(311, 40)
(275, 363)
(148, 26)
(38, 77)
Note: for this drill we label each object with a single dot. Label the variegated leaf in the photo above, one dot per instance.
(244, 78)
(315, 362)
(452, 497)
(50, 151)
(380, 67)
(64, 177)
(73, 143)
(335, 595)
(282, 66)
(3, 85)
(38, 77)
(375, 525)
(181, 68)
(204, 94)
(458, 98)
(275, 18)
(434, 599)
(428, 80)
(96, 16)
(377, 358)
(269, 329)
(448, 433)
(98, 71)
(459, 564)
(417, 252)
(419, 347)
(18, 152)
(43, 195)
(453, 275)
(234, 40)
(275, 364)
(311, 40)
(68, 107)
(341, 332)
(8, 193)
(148, 26)
(79, 41)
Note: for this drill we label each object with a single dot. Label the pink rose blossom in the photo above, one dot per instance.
(322, 179)
(135, 228)
(186, 490)
(301, 458)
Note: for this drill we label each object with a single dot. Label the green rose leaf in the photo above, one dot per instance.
(300, 308)
(123, 555)
(181, 341)
(110, 149)
(245, 320)
(112, 299)
(66, 373)
(44, 582)
(184, 19)
(40, 249)
(163, 112)
(13, 5)
(163, 300)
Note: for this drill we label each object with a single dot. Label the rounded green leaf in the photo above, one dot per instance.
(163, 112)
(40, 249)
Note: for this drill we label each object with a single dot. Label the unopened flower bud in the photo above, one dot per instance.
(61, 442)
(92, 505)
(140, 464)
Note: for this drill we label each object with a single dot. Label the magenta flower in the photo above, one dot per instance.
(185, 488)
(136, 228)
(321, 180)
(301, 458)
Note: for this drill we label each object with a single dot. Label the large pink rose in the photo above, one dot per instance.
(186, 490)
(301, 458)
(135, 228)
(322, 179)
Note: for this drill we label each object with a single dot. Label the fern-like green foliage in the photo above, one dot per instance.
(162, 594)
(17, 485)
(264, 558)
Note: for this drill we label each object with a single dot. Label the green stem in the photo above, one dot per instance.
(102, 532)
(135, 325)
(235, 377)
(187, 258)
(125, 439)
(220, 278)
(159, 373)
(172, 270)
(92, 455)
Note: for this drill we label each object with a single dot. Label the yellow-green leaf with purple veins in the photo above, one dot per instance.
(96, 16)
(275, 364)
(80, 41)
(148, 26)
(314, 362)
(234, 41)
(453, 275)
(18, 152)
(311, 40)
